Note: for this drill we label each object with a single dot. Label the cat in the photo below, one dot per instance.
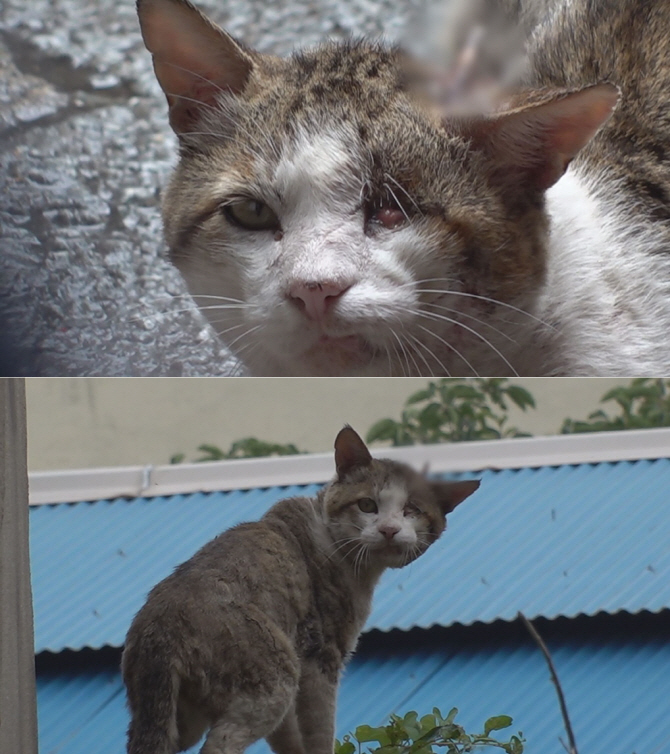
(247, 638)
(332, 217)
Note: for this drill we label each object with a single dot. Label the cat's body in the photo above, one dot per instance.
(359, 230)
(247, 639)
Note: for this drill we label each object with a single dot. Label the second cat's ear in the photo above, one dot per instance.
(194, 59)
(451, 494)
(350, 451)
(531, 143)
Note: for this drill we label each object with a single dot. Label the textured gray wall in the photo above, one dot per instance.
(84, 151)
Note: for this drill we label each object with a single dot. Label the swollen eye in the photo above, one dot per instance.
(251, 214)
(383, 214)
(367, 505)
(389, 217)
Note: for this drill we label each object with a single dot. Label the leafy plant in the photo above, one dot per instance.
(249, 447)
(454, 410)
(642, 404)
(413, 735)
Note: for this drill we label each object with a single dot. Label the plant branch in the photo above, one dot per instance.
(554, 677)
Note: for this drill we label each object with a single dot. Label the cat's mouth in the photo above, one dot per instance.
(395, 554)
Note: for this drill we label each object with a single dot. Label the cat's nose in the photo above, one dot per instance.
(389, 531)
(314, 298)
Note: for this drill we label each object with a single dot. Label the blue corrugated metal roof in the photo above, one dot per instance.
(551, 541)
(617, 691)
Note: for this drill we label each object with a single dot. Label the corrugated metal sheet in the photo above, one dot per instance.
(617, 690)
(551, 541)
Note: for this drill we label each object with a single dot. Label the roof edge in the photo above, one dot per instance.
(49, 487)
(372, 630)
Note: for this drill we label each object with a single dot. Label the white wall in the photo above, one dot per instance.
(86, 422)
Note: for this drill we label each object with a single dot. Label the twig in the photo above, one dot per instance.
(554, 677)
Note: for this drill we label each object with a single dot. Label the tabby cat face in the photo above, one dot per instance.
(380, 520)
(330, 221)
(383, 513)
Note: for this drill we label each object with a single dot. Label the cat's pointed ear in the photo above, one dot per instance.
(350, 451)
(532, 144)
(194, 59)
(451, 494)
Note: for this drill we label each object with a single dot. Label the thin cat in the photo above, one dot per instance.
(330, 217)
(247, 639)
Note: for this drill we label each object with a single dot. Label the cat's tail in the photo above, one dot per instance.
(152, 684)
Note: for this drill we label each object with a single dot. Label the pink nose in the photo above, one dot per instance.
(314, 298)
(389, 531)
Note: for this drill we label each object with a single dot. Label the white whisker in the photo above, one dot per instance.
(395, 199)
(421, 356)
(451, 347)
(441, 317)
(416, 206)
(471, 316)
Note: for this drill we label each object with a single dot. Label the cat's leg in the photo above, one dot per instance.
(254, 715)
(287, 739)
(224, 738)
(248, 719)
(315, 708)
(191, 723)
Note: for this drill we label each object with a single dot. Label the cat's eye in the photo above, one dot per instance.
(388, 217)
(367, 505)
(251, 214)
(383, 214)
(411, 510)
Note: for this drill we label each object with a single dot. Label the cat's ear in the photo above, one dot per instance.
(194, 59)
(350, 451)
(532, 144)
(451, 494)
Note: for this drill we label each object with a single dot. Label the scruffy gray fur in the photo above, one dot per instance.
(246, 640)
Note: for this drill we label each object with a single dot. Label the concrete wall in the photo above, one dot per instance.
(80, 423)
(18, 717)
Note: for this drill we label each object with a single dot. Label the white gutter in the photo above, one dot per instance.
(149, 481)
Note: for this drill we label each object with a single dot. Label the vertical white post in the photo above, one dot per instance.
(18, 713)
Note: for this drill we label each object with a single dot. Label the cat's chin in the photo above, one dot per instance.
(395, 557)
(339, 355)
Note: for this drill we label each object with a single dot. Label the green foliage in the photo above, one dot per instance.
(249, 447)
(413, 735)
(459, 409)
(454, 410)
(642, 404)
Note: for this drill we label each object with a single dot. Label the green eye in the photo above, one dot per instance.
(367, 505)
(251, 214)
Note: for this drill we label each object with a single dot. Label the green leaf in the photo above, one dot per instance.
(177, 458)
(212, 453)
(420, 396)
(466, 392)
(384, 429)
(365, 733)
(520, 396)
(497, 723)
(346, 747)
(431, 416)
(516, 745)
(451, 716)
(428, 723)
